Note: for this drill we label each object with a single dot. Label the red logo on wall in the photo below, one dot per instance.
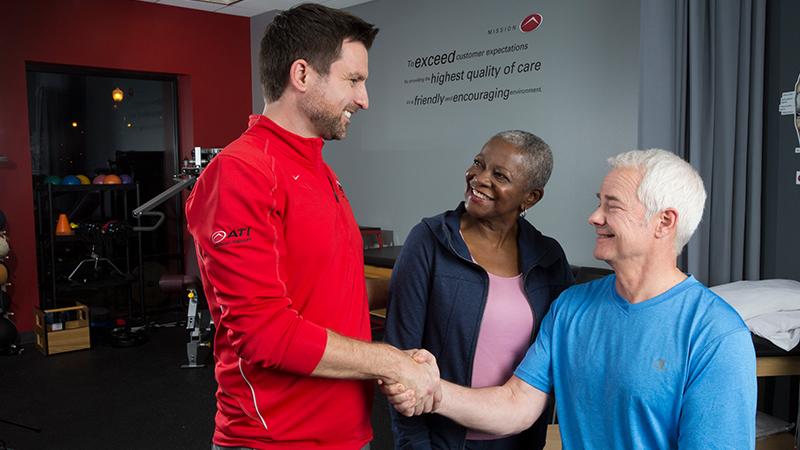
(530, 23)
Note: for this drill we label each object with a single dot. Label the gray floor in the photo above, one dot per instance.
(120, 398)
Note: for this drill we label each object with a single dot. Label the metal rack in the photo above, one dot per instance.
(113, 203)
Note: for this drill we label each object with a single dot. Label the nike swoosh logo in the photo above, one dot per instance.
(296, 177)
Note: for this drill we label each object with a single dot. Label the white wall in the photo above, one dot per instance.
(401, 162)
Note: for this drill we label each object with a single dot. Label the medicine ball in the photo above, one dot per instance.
(4, 248)
(52, 179)
(112, 179)
(70, 180)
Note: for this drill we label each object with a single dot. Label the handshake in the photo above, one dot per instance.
(417, 388)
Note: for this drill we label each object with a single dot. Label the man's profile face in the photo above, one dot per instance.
(619, 220)
(332, 99)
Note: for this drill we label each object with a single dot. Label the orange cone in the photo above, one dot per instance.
(62, 227)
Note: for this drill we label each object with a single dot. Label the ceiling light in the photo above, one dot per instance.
(117, 95)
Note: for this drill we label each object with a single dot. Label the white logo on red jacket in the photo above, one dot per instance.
(218, 236)
(232, 236)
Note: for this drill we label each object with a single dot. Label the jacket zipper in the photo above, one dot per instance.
(333, 188)
(341, 221)
(530, 304)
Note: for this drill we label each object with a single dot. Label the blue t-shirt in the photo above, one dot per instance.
(674, 371)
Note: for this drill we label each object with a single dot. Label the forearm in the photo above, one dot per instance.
(497, 410)
(353, 359)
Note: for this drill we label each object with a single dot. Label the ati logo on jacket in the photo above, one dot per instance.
(233, 236)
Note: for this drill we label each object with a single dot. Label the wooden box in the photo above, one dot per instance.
(62, 330)
(780, 441)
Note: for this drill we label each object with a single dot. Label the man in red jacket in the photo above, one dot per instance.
(281, 256)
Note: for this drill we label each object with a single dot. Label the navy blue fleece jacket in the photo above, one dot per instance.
(436, 302)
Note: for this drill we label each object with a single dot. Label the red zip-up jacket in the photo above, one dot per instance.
(281, 259)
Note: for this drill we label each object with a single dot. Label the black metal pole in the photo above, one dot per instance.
(141, 262)
(51, 231)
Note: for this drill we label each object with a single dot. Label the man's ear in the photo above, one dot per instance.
(667, 223)
(299, 74)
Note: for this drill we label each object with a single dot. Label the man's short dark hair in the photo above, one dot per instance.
(311, 32)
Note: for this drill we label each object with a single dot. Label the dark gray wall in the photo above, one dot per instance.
(402, 162)
(257, 26)
(781, 215)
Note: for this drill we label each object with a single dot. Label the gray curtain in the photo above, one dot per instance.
(702, 85)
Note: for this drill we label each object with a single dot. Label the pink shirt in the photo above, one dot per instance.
(504, 336)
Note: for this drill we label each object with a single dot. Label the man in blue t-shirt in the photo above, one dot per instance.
(647, 358)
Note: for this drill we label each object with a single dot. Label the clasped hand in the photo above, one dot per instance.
(418, 389)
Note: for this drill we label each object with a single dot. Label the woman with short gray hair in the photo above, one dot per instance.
(472, 285)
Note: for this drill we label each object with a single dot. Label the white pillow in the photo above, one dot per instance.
(781, 328)
(755, 298)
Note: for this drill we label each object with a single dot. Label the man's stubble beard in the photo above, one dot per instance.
(325, 118)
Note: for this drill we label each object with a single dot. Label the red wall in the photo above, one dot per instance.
(210, 52)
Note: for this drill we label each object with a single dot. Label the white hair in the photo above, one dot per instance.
(538, 158)
(667, 182)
